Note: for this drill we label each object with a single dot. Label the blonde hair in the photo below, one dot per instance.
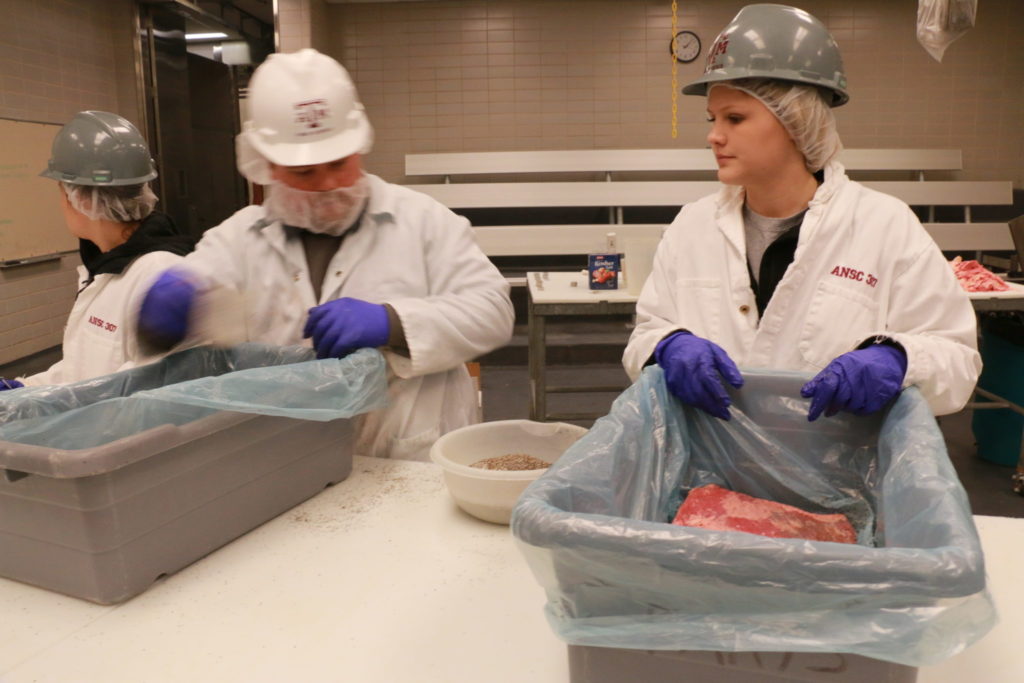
(804, 112)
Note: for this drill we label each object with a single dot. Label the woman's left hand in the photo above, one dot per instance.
(861, 382)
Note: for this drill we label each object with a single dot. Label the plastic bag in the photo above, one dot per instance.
(940, 22)
(594, 530)
(192, 384)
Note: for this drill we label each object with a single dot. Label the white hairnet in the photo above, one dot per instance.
(251, 164)
(803, 111)
(118, 203)
(328, 212)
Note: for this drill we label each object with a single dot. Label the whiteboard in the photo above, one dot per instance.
(31, 222)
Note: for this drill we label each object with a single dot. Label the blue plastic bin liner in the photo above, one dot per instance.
(192, 384)
(594, 530)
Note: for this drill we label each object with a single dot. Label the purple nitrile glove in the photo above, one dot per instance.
(861, 382)
(165, 310)
(341, 326)
(6, 384)
(694, 368)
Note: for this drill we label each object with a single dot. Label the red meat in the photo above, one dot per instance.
(712, 507)
(975, 277)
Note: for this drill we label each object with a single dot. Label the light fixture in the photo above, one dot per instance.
(205, 36)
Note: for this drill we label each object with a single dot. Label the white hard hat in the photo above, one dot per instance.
(303, 109)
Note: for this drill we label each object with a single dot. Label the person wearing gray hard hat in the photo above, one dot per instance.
(792, 265)
(103, 168)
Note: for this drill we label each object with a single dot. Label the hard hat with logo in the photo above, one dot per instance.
(775, 41)
(100, 148)
(303, 109)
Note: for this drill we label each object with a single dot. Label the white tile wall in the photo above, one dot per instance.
(57, 57)
(478, 75)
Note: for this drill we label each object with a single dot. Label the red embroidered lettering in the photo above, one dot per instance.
(854, 274)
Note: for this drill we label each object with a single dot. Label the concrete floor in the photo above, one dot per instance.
(505, 385)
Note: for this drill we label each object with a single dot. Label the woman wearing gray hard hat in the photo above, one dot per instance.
(792, 265)
(103, 168)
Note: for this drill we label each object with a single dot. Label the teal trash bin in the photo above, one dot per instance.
(998, 432)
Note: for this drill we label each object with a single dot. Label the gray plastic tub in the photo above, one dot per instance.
(588, 664)
(104, 523)
(108, 484)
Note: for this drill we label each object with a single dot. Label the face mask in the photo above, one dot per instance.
(330, 213)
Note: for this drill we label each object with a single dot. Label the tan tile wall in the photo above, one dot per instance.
(57, 57)
(479, 75)
(303, 23)
(34, 304)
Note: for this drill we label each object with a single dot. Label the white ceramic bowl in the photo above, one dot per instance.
(490, 495)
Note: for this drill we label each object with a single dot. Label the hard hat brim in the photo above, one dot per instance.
(701, 85)
(355, 140)
(85, 180)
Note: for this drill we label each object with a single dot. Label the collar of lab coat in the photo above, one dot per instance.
(381, 205)
(729, 216)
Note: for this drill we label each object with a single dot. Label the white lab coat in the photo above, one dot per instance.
(410, 252)
(864, 267)
(100, 335)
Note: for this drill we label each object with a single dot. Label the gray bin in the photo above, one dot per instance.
(163, 499)
(104, 522)
(588, 664)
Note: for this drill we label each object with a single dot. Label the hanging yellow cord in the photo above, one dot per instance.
(675, 78)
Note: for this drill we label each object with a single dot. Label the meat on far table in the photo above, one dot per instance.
(974, 277)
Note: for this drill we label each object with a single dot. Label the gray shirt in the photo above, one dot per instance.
(760, 231)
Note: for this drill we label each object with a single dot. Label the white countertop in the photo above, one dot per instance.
(380, 578)
(1016, 291)
(571, 288)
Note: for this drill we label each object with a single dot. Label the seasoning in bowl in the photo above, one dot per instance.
(512, 461)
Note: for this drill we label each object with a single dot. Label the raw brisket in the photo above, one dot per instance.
(712, 507)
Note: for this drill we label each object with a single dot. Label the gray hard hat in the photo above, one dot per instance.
(100, 148)
(775, 41)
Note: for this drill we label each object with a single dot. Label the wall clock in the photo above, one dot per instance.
(685, 46)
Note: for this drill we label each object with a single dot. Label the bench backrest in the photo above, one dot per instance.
(622, 193)
(458, 190)
(629, 160)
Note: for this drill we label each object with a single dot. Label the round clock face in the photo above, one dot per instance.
(685, 46)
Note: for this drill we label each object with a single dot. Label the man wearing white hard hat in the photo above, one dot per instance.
(792, 265)
(345, 259)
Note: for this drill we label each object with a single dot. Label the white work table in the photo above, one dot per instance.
(565, 294)
(379, 578)
(1009, 300)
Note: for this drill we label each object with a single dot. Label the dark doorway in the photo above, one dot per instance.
(192, 112)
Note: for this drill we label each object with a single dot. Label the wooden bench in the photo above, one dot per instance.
(603, 178)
